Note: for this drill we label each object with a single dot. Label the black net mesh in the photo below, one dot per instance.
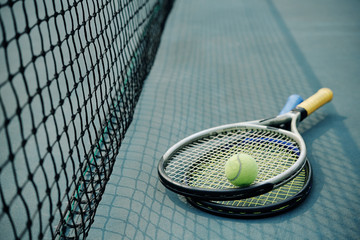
(70, 75)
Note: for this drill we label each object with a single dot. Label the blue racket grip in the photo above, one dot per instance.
(292, 102)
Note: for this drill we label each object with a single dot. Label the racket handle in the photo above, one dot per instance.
(323, 96)
(292, 102)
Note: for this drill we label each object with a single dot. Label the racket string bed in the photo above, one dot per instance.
(201, 163)
(276, 195)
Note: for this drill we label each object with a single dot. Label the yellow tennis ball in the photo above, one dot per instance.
(241, 169)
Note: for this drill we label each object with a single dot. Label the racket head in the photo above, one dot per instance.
(194, 167)
(272, 203)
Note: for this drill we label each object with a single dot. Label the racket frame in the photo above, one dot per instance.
(269, 124)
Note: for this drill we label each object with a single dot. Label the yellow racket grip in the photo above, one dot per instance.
(320, 98)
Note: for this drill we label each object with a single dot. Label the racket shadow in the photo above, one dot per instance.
(332, 157)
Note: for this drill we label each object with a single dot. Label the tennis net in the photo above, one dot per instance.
(70, 76)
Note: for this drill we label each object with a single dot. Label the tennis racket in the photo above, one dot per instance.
(272, 203)
(194, 167)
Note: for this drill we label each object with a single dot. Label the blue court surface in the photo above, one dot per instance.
(223, 62)
(229, 61)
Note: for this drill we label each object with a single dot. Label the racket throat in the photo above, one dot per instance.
(279, 121)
